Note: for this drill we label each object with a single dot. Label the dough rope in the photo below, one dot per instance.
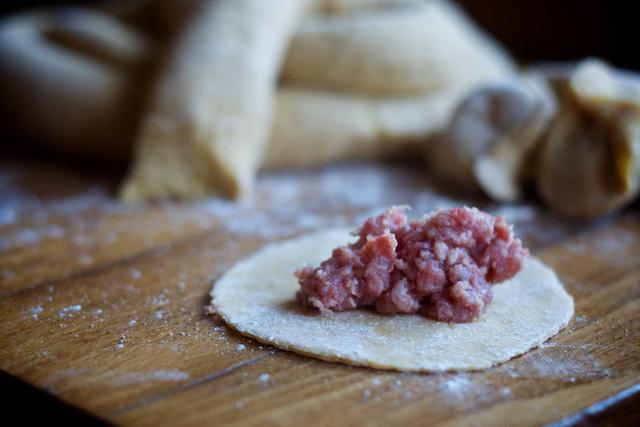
(212, 106)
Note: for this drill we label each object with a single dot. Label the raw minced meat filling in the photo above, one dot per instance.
(441, 266)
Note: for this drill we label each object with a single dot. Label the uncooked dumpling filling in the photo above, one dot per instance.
(442, 266)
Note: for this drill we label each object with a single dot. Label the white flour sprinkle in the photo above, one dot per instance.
(281, 206)
(158, 375)
(120, 344)
(69, 310)
(159, 300)
(97, 311)
(457, 386)
(516, 213)
(135, 274)
(239, 405)
(35, 311)
(29, 236)
(241, 347)
(133, 322)
(64, 374)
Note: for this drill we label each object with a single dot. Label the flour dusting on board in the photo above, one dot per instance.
(579, 364)
(281, 207)
(284, 204)
(158, 375)
(69, 310)
(35, 311)
(345, 195)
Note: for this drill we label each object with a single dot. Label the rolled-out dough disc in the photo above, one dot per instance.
(257, 298)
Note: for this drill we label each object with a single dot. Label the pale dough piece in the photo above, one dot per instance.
(403, 49)
(349, 6)
(256, 297)
(172, 14)
(314, 127)
(210, 115)
(317, 127)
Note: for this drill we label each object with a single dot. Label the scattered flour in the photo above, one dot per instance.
(64, 373)
(457, 386)
(158, 375)
(282, 206)
(517, 213)
(35, 311)
(565, 362)
(57, 376)
(29, 236)
(69, 310)
(241, 347)
(159, 300)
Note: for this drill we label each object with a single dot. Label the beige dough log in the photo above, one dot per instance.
(589, 164)
(402, 49)
(172, 14)
(317, 127)
(348, 6)
(70, 79)
(211, 111)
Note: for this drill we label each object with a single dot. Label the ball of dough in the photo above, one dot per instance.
(69, 79)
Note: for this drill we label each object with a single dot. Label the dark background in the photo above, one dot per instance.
(533, 30)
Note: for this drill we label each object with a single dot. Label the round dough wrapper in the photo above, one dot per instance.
(257, 298)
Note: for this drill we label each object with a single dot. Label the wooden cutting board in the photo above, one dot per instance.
(102, 305)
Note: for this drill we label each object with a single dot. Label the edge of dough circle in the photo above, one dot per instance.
(256, 297)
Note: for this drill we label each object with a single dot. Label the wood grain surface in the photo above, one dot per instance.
(101, 305)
